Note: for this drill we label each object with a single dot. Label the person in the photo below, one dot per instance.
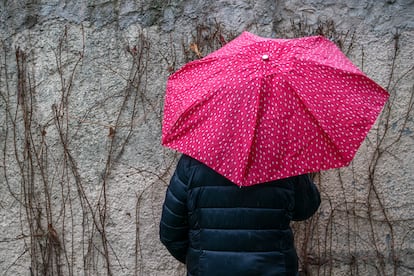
(218, 228)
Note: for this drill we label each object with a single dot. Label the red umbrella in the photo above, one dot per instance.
(261, 109)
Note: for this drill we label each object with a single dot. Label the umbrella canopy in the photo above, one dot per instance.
(261, 109)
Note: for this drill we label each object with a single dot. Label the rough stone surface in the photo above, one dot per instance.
(82, 171)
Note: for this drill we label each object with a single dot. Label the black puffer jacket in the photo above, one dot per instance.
(218, 228)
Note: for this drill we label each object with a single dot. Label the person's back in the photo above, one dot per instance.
(218, 228)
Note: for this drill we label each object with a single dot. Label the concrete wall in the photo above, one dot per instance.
(83, 174)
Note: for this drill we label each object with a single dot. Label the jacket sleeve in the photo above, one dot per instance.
(307, 198)
(174, 221)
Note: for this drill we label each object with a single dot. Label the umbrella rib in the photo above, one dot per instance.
(254, 130)
(357, 71)
(195, 104)
(302, 101)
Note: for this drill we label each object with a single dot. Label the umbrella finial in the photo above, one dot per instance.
(265, 57)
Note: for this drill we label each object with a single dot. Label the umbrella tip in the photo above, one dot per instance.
(265, 57)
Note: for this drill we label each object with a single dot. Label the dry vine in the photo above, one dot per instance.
(49, 183)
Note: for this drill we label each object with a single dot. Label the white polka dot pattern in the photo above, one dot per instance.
(261, 109)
